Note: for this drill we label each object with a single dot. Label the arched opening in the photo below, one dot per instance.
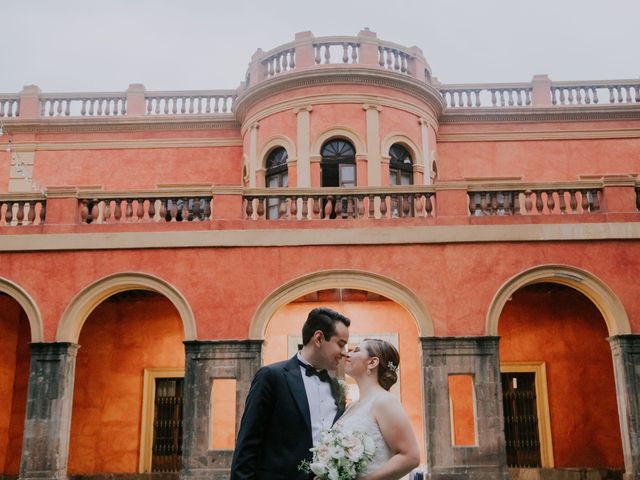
(372, 316)
(559, 394)
(338, 164)
(400, 165)
(276, 176)
(15, 336)
(130, 336)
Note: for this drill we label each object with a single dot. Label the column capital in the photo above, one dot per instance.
(368, 106)
(303, 108)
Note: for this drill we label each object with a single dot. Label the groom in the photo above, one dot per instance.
(291, 402)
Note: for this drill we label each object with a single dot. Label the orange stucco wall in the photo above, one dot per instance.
(442, 276)
(367, 317)
(119, 340)
(564, 329)
(14, 375)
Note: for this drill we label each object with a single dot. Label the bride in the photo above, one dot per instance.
(373, 364)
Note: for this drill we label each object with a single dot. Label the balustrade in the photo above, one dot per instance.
(145, 209)
(478, 96)
(334, 204)
(281, 61)
(9, 106)
(21, 212)
(336, 51)
(603, 92)
(88, 105)
(189, 103)
(535, 201)
(393, 59)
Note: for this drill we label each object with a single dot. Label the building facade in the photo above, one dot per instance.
(156, 248)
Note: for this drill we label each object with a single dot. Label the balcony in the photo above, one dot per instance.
(607, 199)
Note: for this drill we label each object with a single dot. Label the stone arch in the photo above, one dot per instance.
(588, 284)
(89, 298)
(326, 279)
(343, 132)
(28, 305)
(277, 141)
(406, 142)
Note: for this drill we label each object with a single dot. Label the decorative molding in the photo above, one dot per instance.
(585, 282)
(91, 296)
(121, 124)
(538, 135)
(260, 237)
(338, 74)
(585, 113)
(341, 98)
(356, 279)
(128, 144)
(29, 307)
(336, 131)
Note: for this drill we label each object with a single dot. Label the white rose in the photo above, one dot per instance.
(350, 441)
(333, 474)
(355, 453)
(337, 452)
(318, 468)
(322, 454)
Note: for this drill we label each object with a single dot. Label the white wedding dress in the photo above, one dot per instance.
(358, 418)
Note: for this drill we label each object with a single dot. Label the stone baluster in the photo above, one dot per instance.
(261, 209)
(94, 210)
(106, 214)
(249, 207)
(293, 210)
(8, 216)
(383, 206)
(305, 207)
(551, 204)
(84, 211)
(117, 210)
(328, 207)
(31, 212)
(128, 211)
(561, 202)
(428, 204)
(20, 213)
(539, 204)
(43, 210)
(573, 202)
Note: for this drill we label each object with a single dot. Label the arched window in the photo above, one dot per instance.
(400, 165)
(276, 176)
(338, 164)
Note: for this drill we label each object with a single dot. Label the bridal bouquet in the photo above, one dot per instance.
(339, 455)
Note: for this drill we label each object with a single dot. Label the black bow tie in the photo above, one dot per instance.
(323, 375)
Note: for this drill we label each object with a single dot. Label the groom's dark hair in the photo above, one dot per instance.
(323, 319)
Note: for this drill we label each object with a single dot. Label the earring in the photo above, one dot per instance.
(368, 371)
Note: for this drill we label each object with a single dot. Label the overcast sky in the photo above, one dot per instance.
(90, 45)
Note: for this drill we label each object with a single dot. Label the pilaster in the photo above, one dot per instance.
(45, 447)
(206, 361)
(625, 350)
(303, 115)
(477, 357)
(253, 154)
(373, 145)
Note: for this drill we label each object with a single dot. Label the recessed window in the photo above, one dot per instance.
(277, 176)
(400, 165)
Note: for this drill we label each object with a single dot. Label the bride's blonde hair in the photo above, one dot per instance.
(389, 360)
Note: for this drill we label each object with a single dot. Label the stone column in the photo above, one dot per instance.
(373, 145)
(45, 448)
(206, 361)
(626, 367)
(477, 357)
(426, 150)
(303, 140)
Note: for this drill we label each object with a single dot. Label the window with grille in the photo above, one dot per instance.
(338, 168)
(167, 426)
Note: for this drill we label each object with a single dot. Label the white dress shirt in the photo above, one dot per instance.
(322, 405)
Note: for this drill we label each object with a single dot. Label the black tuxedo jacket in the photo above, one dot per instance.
(275, 431)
